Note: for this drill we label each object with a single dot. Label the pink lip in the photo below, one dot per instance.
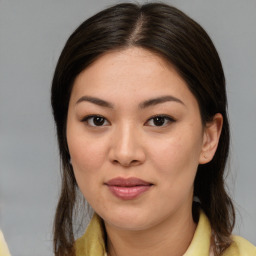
(128, 189)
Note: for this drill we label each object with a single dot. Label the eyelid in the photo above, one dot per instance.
(86, 118)
(169, 118)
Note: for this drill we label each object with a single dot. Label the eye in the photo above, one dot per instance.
(160, 120)
(95, 120)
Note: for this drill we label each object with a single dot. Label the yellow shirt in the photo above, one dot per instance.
(3, 246)
(92, 242)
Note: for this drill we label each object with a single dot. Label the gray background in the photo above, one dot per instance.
(32, 34)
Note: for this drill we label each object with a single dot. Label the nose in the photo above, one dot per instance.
(127, 147)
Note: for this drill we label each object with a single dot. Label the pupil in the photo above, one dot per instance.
(98, 121)
(159, 121)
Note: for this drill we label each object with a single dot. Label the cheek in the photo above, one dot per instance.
(87, 160)
(175, 162)
(177, 156)
(86, 154)
(87, 157)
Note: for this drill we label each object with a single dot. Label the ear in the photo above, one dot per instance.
(211, 137)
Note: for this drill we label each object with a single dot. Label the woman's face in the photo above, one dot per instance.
(135, 138)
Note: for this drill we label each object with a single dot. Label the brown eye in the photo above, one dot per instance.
(160, 120)
(95, 120)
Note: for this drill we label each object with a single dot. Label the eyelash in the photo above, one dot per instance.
(167, 120)
(87, 119)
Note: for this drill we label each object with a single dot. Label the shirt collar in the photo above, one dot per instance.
(93, 241)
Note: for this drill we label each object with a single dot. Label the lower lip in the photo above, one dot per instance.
(128, 193)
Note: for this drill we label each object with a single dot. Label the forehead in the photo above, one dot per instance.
(130, 73)
(137, 61)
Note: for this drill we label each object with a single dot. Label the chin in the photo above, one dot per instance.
(129, 220)
(129, 225)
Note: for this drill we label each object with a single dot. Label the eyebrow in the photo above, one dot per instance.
(96, 101)
(159, 100)
(145, 104)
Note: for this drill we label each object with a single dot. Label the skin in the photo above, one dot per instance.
(129, 144)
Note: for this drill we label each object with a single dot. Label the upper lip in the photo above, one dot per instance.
(127, 182)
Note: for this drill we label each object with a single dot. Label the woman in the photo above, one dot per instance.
(139, 102)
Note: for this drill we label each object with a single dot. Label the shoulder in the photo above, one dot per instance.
(240, 247)
(3, 246)
(244, 246)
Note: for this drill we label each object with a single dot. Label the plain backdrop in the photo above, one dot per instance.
(32, 34)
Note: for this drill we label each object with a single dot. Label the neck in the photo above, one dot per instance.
(170, 237)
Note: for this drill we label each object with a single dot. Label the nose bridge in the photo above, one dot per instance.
(126, 144)
(125, 138)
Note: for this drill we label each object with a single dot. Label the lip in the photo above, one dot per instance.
(128, 188)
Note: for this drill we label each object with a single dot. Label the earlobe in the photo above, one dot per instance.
(211, 137)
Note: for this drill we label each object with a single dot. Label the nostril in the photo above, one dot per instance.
(126, 164)
(115, 162)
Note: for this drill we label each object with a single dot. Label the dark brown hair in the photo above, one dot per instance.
(180, 40)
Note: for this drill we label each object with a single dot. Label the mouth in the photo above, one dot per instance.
(128, 188)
